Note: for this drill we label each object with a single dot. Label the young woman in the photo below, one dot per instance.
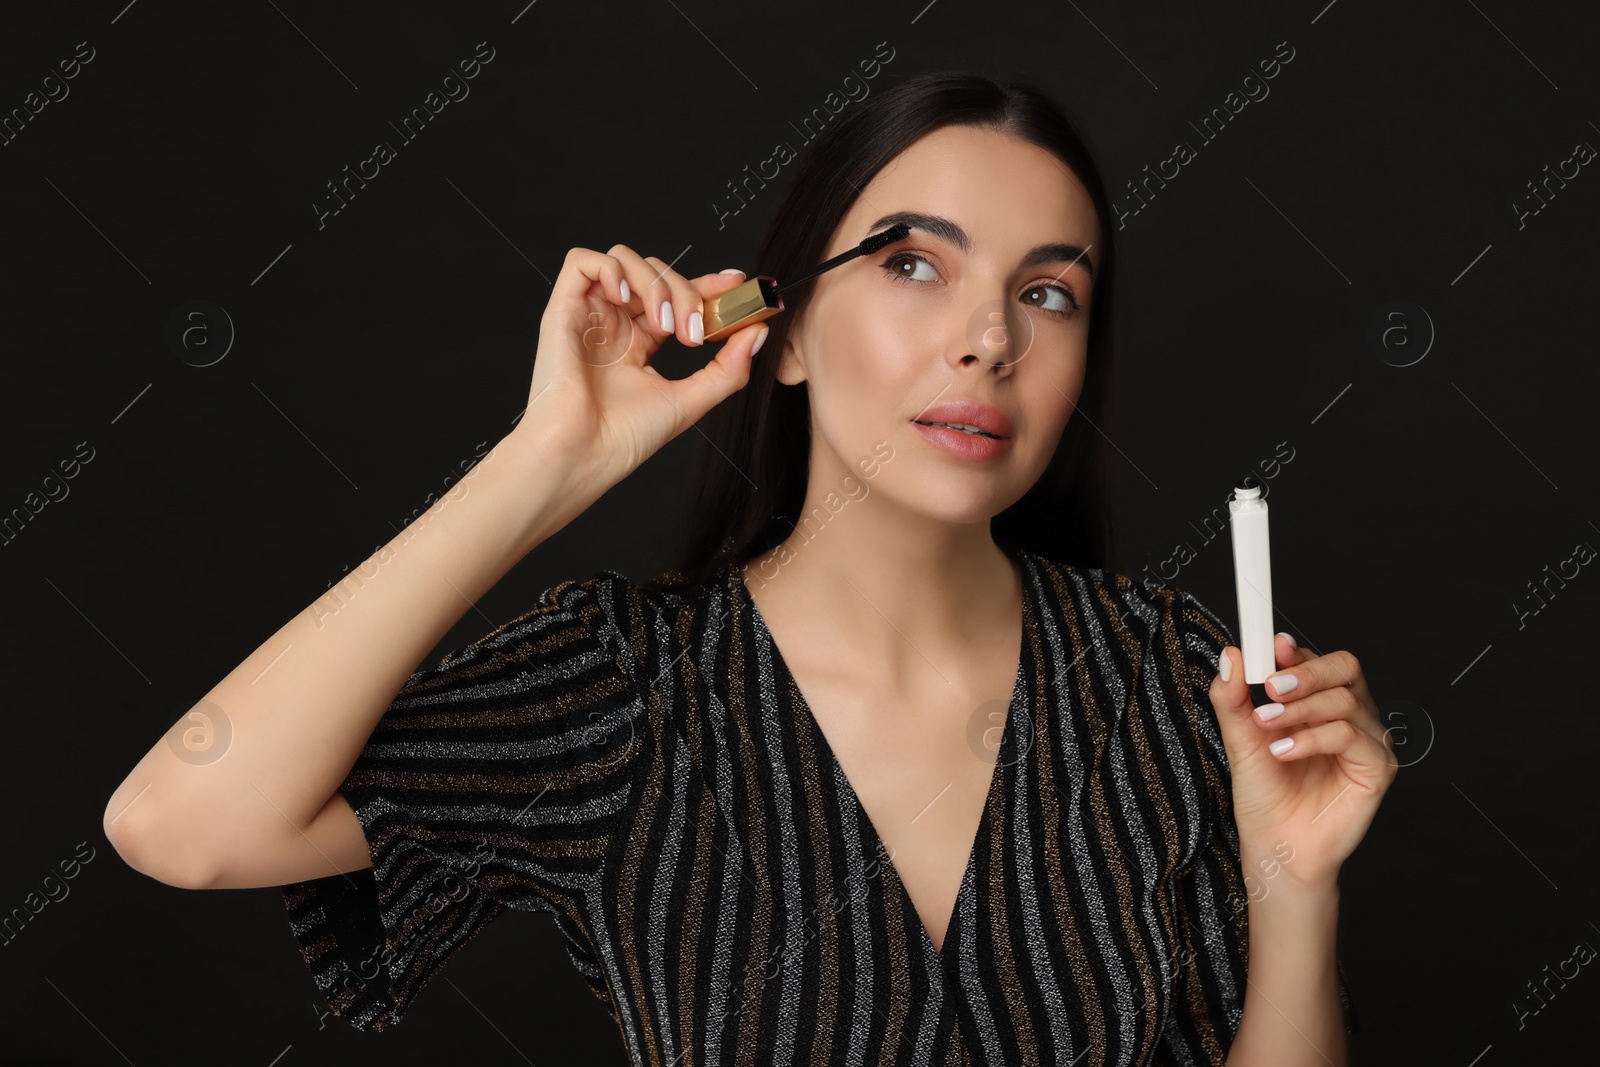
(895, 767)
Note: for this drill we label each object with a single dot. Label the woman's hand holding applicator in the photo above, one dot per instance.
(596, 403)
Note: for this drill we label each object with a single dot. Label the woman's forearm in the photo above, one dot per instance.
(291, 719)
(1292, 1014)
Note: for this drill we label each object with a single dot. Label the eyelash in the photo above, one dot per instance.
(888, 267)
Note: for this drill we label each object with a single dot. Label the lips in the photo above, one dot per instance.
(967, 416)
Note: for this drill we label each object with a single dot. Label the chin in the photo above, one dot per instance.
(948, 500)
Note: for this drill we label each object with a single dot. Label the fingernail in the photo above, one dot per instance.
(1268, 712)
(1291, 640)
(666, 315)
(1283, 683)
(624, 290)
(759, 338)
(697, 330)
(1224, 667)
(731, 270)
(1281, 745)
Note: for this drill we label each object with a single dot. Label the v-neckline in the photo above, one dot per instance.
(997, 781)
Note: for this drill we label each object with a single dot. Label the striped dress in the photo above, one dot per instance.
(641, 764)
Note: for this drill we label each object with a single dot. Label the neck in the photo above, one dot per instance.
(900, 589)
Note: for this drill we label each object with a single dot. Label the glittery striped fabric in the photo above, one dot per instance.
(643, 766)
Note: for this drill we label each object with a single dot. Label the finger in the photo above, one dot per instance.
(704, 287)
(650, 289)
(582, 268)
(1314, 675)
(1287, 651)
(716, 284)
(1229, 690)
(1330, 704)
(1338, 738)
(726, 373)
(685, 309)
(708, 286)
(685, 306)
(1230, 698)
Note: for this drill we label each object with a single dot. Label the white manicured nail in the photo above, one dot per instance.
(1281, 745)
(666, 315)
(1224, 668)
(624, 290)
(697, 330)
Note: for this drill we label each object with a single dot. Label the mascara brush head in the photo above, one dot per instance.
(898, 232)
(761, 297)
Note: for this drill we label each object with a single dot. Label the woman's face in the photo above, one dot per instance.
(892, 337)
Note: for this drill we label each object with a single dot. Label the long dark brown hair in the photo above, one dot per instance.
(750, 481)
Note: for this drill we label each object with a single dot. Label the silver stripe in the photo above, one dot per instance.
(788, 1020)
(866, 946)
(1063, 732)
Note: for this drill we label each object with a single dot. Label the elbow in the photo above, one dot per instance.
(142, 838)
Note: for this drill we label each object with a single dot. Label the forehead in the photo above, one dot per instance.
(1008, 194)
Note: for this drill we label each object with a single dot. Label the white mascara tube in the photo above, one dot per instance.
(1252, 577)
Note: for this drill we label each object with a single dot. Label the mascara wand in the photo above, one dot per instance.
(759, 298)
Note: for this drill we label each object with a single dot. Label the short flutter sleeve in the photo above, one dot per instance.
(1211, 893)
(493, 780)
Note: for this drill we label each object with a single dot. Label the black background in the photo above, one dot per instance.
(1432, 478)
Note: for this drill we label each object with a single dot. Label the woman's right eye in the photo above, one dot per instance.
(899, 259)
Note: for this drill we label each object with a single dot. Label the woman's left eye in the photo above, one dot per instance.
(1066, 306)
(1066, 309)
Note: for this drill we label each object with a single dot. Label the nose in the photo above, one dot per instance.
(1001, 367)
(993, 337)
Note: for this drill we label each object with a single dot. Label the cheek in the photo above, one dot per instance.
(1072, 385)
(1065, 364)
(872, 374)
(1049, 401)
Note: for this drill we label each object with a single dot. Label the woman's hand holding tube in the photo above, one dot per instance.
(596, 403)
(1310, 768)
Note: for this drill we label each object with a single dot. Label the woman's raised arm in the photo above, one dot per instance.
(289, 721)
(257, 804)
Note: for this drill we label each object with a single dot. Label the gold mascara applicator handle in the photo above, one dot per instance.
(748, 302)
(761, 297)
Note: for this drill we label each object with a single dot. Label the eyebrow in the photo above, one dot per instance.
(950, 231)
